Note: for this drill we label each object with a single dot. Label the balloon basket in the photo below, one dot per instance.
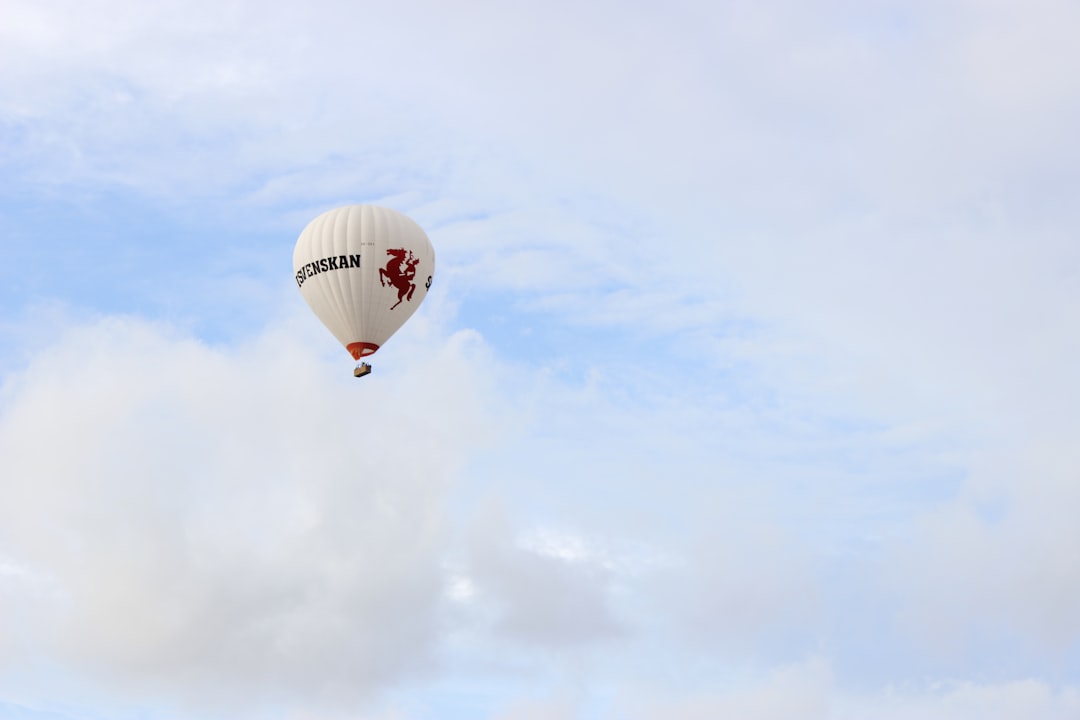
(361, 370)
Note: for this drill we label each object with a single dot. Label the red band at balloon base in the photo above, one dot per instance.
(361, 349)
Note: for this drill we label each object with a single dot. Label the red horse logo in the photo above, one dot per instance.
(399, 272)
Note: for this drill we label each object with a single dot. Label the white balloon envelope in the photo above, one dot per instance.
(364, 270)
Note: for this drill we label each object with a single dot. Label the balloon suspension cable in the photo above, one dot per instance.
(361, 370)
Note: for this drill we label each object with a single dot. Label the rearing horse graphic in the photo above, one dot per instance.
(399, 272)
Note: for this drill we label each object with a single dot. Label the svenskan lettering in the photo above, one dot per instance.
(326, 264)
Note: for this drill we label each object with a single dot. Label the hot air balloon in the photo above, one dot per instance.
(364, 270)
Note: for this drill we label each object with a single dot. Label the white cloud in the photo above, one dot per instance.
(810, 689)
(747, 589)
(802, 690)
(556, 707)
(228, 525)
(540, 598)
(992, 563)
(967, 701)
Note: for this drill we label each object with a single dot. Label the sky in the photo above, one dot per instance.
(746, 386)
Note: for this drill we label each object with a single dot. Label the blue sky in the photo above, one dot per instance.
(746, 386)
